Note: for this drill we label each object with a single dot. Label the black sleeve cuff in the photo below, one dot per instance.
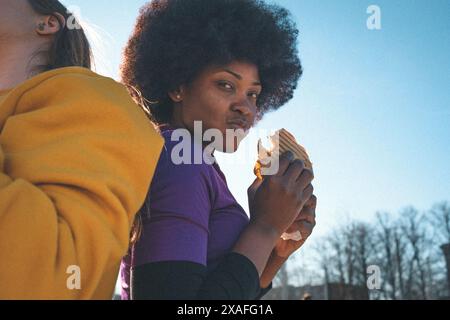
(235, 278)
(263, 292)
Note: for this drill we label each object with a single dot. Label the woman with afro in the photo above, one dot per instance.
(224, 64)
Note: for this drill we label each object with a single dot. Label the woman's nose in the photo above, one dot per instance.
(245, 108)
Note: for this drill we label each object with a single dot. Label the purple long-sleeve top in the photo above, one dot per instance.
(193, 216)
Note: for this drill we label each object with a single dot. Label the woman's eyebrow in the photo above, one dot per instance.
(238, 76)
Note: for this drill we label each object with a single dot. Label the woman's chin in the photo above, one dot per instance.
(229, 148)
(230, 141)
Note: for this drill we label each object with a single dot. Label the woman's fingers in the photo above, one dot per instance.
(312, 202)
(285, 161)
(306, 219)
(294, 171)
(306, 194)
(306, 177)
(307, 214)
(306, 228)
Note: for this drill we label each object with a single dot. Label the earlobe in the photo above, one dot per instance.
(50, 24)
(176, 96)
(41, 26)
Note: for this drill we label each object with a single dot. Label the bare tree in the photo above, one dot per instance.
(337, 245)
(346, 254)
(349, 233)
(414, 232)
(385, 233)
(324, 258)
(440, 219)
(364, 252)
(407, 248)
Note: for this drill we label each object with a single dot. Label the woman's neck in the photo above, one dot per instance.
(15, 63)
(176, 121)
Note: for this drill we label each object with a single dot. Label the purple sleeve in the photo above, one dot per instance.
(180, 200)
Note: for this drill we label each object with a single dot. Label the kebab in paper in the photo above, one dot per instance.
(281, 142)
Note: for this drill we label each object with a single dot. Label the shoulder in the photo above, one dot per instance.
(178, 170)
(81, 83)
(79, 93)
(183, 155)
(75, 75)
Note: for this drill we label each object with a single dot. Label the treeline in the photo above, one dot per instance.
(406, 248)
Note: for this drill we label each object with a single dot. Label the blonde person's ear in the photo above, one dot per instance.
(50, 25)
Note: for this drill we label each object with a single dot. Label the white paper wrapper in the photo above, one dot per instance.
(296, 236)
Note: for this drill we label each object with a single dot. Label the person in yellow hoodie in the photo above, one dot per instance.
(77, 156)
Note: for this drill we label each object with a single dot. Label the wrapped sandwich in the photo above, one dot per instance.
(280, 142)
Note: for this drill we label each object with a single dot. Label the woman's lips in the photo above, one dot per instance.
(238, 124)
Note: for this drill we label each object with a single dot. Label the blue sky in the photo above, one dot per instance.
(372, 109)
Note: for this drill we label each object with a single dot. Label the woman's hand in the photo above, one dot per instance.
(276, 201)
(305, 223)
(274, 204)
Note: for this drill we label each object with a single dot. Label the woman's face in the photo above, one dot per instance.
(17, 20)
(222, 98)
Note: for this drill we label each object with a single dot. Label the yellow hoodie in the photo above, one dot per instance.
(76, 159)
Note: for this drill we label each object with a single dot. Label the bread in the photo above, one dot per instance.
(282, 141)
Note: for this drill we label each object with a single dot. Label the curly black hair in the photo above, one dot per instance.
(175, 40)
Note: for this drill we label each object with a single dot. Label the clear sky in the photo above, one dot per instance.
(372, 109)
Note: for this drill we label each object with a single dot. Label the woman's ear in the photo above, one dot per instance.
(177, 95)
(49, 25)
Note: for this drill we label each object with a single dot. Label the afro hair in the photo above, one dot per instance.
(175, 40)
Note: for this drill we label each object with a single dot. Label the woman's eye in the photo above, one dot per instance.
(254, 95)
(226, 85)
